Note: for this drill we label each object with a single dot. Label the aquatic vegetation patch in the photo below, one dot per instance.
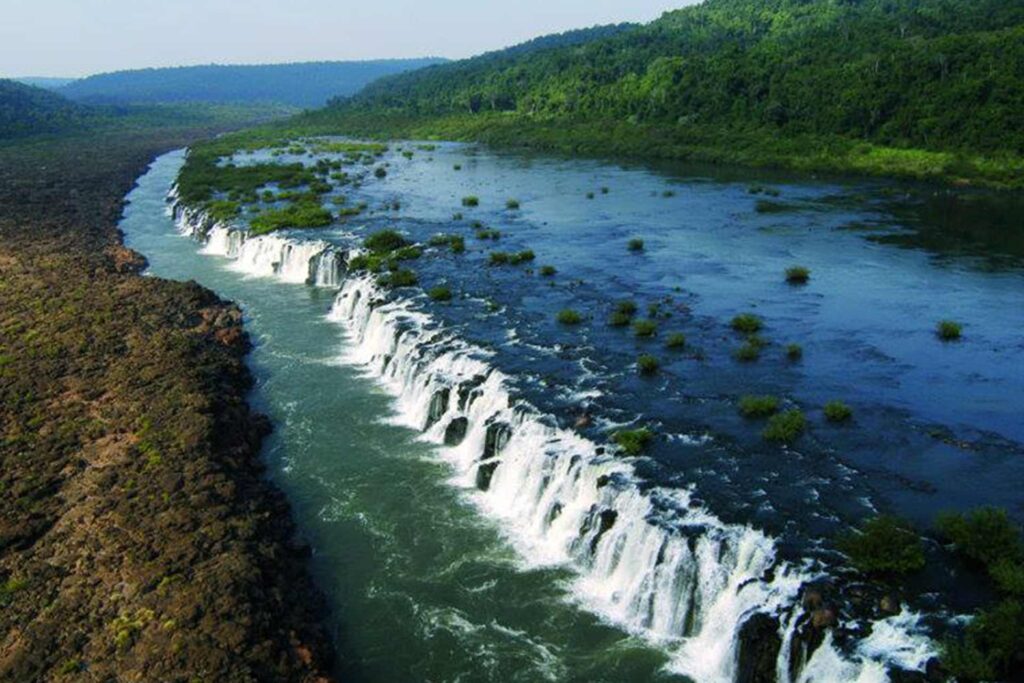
(794, 352)
(758, 406)
(512, 204)
(797, 275)
(645, 328)
(949, 330)
(884, 545)
(471, 201)
(402, 277)
(837, 411)
(636, 244)
(440, 293)
(547, 271)
(633, 441)
(569, 316)
(298, 215)
(647, 364)
(748, 352)
(785, 427)
(747, 323)
(676, 340)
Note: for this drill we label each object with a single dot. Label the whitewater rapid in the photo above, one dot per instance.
(651, 561)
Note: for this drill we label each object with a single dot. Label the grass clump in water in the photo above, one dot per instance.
(548, 271)
(676, 340)
(633, 441)
(488, 234)
(569, 316)
(380, 172)
(785, 427)
(398, 278)
(636, 244)
(747, 323)
(647, 364)
(645, 328)
(884, 545)
(794, 352)
(590, 195)
(748, 353)
(758, 406)
(512, 204)
(949, 330)
(471, 201)
(299, 215)
(837, 411)
(797, 275)
(440, 293)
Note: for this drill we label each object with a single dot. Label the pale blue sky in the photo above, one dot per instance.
(80, 37)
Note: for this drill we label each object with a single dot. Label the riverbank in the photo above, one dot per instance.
(699, 143)
(140, 540)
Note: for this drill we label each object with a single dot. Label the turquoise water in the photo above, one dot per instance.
(421, 586)
(420, 568)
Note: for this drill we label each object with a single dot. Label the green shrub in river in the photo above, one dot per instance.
(398, 278)
(676, 340)
(949, 330)
(785, 427)
(797, 275)
(512, 205)
(633, 441)
(471, 201)
(547, 271)
(645, 328)
(299, 215)
(747, 323)
(758, 406)
(794, 352)
(837, 411)
(647, 364)
(636, 244)
(569, 316)
(440, 293)
(884, 545)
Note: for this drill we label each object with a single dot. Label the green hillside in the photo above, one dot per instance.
(927, 88)
(27, 110)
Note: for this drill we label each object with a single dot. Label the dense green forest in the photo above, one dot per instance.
(940, 76)
(26, 110)
(308, 84)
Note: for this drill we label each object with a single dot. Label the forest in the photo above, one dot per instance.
(935, 76)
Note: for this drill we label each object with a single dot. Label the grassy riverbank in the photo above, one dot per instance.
(702, 143)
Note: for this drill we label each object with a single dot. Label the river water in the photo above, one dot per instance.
(523, 550)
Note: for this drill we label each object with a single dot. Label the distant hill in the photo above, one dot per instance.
(48, 82)
(28, 110)
(907, 87)
(308, 84)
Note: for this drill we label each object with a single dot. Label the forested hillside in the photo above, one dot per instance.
(938, 75)
(27, 110)
(308, 84)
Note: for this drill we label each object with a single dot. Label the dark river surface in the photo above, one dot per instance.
(551, 572)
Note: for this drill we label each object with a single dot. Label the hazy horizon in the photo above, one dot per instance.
(78, 38)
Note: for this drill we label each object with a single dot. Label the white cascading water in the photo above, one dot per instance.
(651, 562)
(296, 261)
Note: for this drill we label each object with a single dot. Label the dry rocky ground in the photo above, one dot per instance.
(139, 540)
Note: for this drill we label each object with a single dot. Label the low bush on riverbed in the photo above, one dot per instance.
(471, 201)
(794, 351)
(223, 210)
(758, 406)
(569, 316)
(512, 205)
(797, 275)
(949, 330)
(785, 427)
(645, 328)
(633, 441)
(398, 278)
(299, 215)
(647, 364)
(547, 271)
(440, 293)
(837, 411)
(385, 241)
(676, 340)
(884, 545)
(747, 323)
(748, 353)
(636, 244)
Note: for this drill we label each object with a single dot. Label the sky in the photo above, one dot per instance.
(71, 38)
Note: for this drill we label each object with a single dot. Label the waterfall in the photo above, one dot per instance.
(652, 562)
(298, 261)
(649, 560)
